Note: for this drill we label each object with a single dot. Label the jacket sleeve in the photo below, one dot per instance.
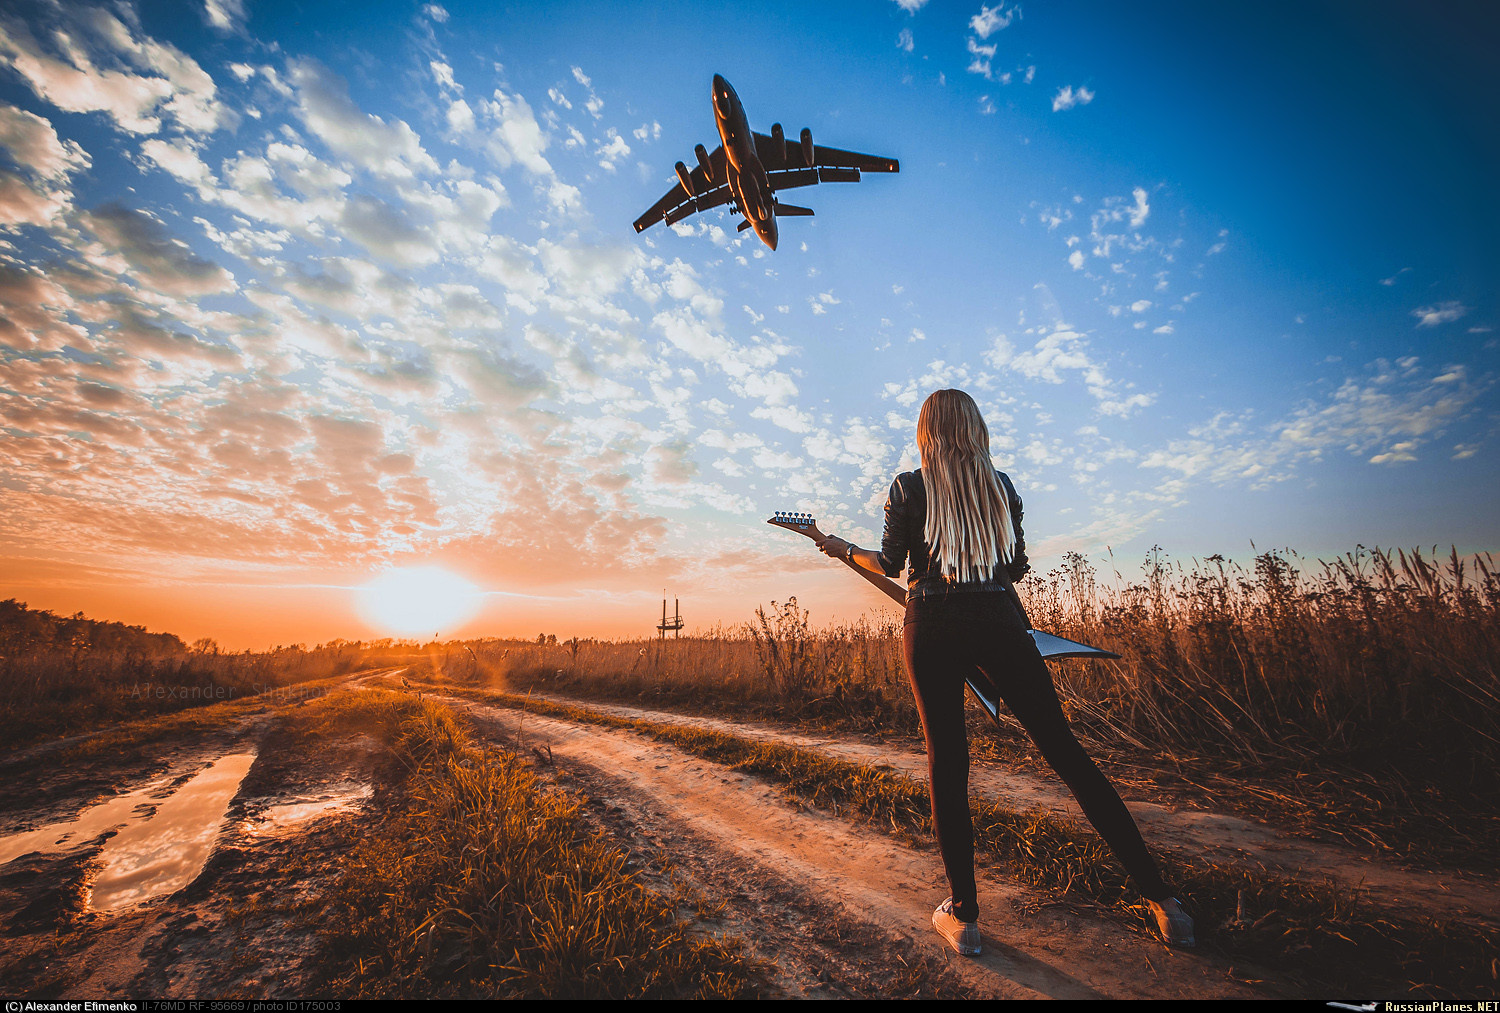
(893, 543)
(1018, 566)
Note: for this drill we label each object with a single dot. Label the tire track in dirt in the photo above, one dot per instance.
(1047, 953)
(1188, 833)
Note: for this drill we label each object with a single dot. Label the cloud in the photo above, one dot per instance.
(33, 145)
(23, 203)
(911, 6)
(905, 41)
(1141, 209)
(1442, 313)
(520, 138)
(436, 12)
(387, 231)
(159, 260)
(387, 149)
(144, 85)
(225, 15)
(982, 57)
(1067, 98)
(990, 20)
(1386, 416)
(612, 149)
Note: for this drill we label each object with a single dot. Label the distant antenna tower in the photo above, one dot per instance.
(674, 623)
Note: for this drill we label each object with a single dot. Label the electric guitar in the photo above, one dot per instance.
(980, 685)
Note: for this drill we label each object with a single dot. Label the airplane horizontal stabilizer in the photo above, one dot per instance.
(792, 211)
(742, 226)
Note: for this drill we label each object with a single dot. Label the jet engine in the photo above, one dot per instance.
(704, 163)
(686, 179)
(778, 143)
(807, 146)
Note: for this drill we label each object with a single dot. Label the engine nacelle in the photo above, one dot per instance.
(778, 142)
(704, 163)
(686, 178)
(807, 146)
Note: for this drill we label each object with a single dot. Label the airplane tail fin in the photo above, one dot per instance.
(792, 211)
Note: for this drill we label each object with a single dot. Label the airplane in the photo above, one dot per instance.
(747, 169)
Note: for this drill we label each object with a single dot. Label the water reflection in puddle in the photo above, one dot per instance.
(337, 799)
(163, 854)
(86, 826)
(158, 852)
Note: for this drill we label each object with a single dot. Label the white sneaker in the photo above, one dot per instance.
(962, 936)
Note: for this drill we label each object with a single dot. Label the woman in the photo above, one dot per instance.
(959, 519)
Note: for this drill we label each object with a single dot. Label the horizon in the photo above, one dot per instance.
(296, 298)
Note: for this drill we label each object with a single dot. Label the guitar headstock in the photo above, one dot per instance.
(803, 524)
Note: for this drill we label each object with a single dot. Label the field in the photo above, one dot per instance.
(1313, 746)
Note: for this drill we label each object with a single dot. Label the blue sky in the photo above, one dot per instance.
(297, 294)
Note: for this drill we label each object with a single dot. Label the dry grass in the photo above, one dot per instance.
(485, 884)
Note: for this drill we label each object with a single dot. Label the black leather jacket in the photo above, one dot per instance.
(905, 520)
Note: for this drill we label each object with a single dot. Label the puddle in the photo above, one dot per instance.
(89, 824)
(164, 841)
(163, 854)
(289, 815)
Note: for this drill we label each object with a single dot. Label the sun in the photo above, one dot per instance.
(419, 600)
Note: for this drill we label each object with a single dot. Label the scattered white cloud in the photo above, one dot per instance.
(225, 15)
(1441, 313)
(990, 20)
(1067, 97)
(982, 56)
(905, 41)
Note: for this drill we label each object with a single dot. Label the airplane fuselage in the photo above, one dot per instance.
(747, 176)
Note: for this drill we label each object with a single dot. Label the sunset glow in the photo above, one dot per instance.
(419, 601)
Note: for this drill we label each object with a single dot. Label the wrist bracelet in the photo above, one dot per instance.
(849, 552)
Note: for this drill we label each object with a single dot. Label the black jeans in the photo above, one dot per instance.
(946, 637)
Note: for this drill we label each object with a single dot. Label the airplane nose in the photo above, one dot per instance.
(720, 84)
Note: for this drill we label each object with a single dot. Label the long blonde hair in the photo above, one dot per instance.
(968, 514)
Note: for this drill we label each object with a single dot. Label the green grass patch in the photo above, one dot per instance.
(486, 884)
(1318, 932)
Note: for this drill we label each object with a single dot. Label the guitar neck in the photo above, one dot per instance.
(892, 590)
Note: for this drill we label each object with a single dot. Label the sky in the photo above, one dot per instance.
(297, 297)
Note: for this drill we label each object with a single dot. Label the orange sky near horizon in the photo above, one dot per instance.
(257, 616)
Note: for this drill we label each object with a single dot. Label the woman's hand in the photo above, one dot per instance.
(833, 546)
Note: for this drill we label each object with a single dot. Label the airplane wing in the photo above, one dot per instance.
(823, 157)
(677, 203)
